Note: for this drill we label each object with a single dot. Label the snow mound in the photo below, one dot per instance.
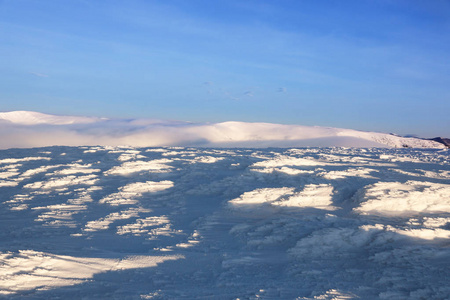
(400, 199)
(313, 195)
(261, 196)
(132, 167)
(128, 194)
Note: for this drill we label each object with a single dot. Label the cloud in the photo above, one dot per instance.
(228, 134)
(39, 74)
(155, 133)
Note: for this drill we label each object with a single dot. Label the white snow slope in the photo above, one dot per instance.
(32, 129)
(34, 118)
(205, 223)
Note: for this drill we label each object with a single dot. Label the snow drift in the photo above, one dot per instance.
(32, 129)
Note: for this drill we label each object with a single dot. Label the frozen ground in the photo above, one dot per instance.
(188, 223)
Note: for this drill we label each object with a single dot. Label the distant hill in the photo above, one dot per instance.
(32, 129)
(444, 141)
(35, 118)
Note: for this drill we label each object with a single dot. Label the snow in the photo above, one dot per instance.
(28, 269)
(131, 167)
(107, 222)
(26, 129)
(103, 223)
(409, 198)
(34, 118)
(62, 182)
(128, 194)
(313, 195)
(281, 161)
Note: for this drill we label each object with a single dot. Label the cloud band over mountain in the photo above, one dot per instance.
(32, 129)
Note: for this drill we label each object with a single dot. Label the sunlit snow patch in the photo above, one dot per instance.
(152, 227)
(25, 159)
(332, 294)
(260, 196)
(351, 172)
(63, 182)
(130, 193)
(313, 195)
(207, 159)
(130, 167)
(424, 173)
(31, 172)
(284, 160)
(425, 233)
(104, 223)
(59, 215)
(402, 199)
(9, 183)
(29, 270)
(284, 170)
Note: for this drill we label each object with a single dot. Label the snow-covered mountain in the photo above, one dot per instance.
(32, 129)
(35, 118)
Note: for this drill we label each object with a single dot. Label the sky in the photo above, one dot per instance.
(368, 65)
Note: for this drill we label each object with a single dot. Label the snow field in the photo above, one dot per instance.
(189, 223)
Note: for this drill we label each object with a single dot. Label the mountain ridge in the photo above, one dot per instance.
(442, 140)
(24, 129)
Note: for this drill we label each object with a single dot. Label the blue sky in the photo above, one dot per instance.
(369, 65)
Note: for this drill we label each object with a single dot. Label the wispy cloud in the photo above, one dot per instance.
(38, 74)
(225, 92)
